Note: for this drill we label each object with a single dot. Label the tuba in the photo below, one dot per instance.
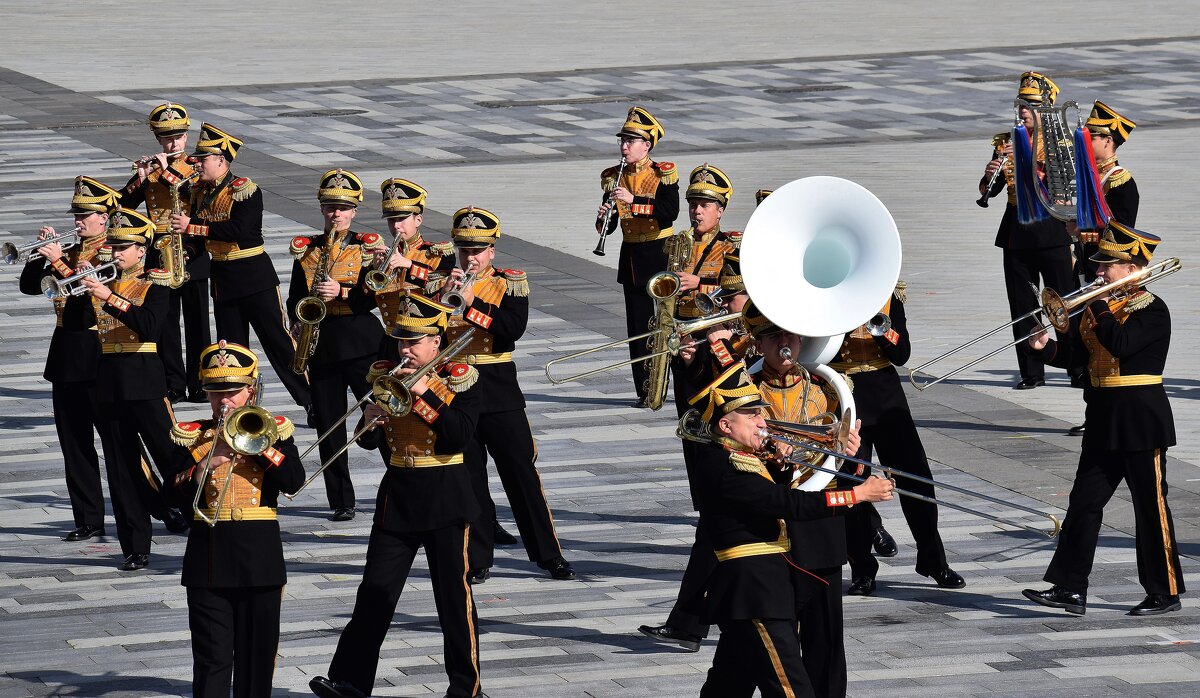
(664, 287)
(311, 310)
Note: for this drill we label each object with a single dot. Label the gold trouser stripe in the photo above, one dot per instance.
(650, 236)
(1168, 551)
(470, 607)
(850, 368)
(750, 549)
(237, 254)
(479, 359)
(1124, 381)
(776, 663)
(129, 348)
(399, 460)
(242, 514)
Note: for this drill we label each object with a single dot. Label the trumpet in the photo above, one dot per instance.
(147, 160)
(67, 240)
(599, 251)
(73, 285)
(452, 294)
(380, 277)
(708, 303)
(879, 325)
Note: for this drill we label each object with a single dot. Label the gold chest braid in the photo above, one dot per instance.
(1104, 368)
(706, 260)
(218, 209)
(410, 436)
(643, 182)
(800, 401)
(115, 335)
(245, 489)
(345, 262)
(83, 253)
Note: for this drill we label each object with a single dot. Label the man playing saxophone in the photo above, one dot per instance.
(327, 277)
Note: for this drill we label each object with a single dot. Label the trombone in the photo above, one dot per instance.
(789, 435)
(12, 253)
(392, 394)
(249, 430)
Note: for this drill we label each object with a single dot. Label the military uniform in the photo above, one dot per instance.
(348, 337)
(191, 298)
(234, 570)
(887, 426)
(227, 216)
(1031, 252)
(426, 499)
(72, 360)
(645, 224)
(1120, 190)
(1130, 427)
(499, 315)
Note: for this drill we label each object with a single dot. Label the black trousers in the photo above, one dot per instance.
(757, 653)
(73, 420)
(819, 620)
(192, 298)
(508, 438)
(688, 613)
(329, 383)
(135, 490)
(639, 310)
(1099, 473)
(895, 437)
(1023, 268)
(264, 312)
(389, 559)
(235, 636)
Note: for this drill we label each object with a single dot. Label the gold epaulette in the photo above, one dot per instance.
(748, 463)
(735, 237)
(284, 427)
(442, 249)
(460, 377)
(518, 282)
(608, 177)
(901, 292)
(1119, 178)
(434, 283)
(159, 277)
(1139, 302)
(370, 241)
(242, 188)
(667, 173)
(378, 369)
(185, 433)
(1000, 139)
(299, 246)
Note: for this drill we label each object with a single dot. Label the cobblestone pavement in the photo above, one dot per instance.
(70, 624)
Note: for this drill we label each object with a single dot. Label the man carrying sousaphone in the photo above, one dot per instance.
(426, 499)
(234, 570)
(645, 195)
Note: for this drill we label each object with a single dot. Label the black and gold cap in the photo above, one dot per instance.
(1121, 243)
(708, 182)
(93, 196)
(402, 198)
(226, 367)
(340, 187)
(732, 390)
(762, 194)
(1104, 119)
(214, 141)
(129, 228)
(759, 325)
(474, 228)
(731, 275)
(1036, 88)
(642, 124)
(420, 316)
(169, 119)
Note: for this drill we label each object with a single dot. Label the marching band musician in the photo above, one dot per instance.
(233, 570)
(1039, 250)
(152, 183)
(349, 335)
(646, 196)
(426, 499)
(752, 594)
(129, 395)
(496, 304)
(1126, 338)
(226, 213)
(870, 360)
(73, 356)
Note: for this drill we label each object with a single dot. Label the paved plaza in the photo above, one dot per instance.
(515, 110)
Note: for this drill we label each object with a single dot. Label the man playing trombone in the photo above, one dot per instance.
(426, 499)
(1125, 332)
(233, 569)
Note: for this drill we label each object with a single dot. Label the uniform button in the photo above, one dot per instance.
(254, 480)
(389, 430)
(254, 500)
(427, 452)
(428, 441)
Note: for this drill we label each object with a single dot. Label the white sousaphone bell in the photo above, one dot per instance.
(820, 256)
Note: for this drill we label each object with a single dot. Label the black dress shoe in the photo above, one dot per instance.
(342, 514)
(1077, 431)
(641, 403)
(326, 688)
(500, 536)
(176, 522)
(175, 395)
(674, 636)
(1156, 604)
(310, 418)
(948, 579)
(884, 544)
(136, 561)
(863, 585)
(558, 568)
(479, 575)
(1057, 597)
(196, 396)
(1030, 384)
(84, 532)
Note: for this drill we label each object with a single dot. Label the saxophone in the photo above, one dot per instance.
(311, 310)
(170, 246)
(664, 287)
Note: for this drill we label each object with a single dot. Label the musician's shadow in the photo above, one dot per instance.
(14, 423)
(67, 683)
(574, 400)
